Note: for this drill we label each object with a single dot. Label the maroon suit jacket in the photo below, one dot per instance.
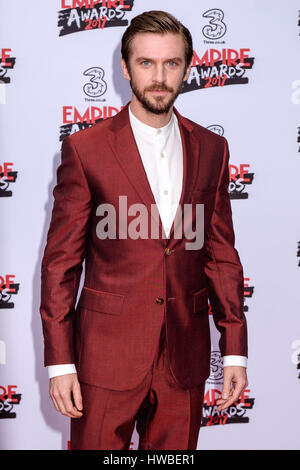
(131, 285)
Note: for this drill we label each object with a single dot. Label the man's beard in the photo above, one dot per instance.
(160, 106)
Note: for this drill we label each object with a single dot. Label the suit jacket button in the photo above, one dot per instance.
(159, 300)
(168, 251)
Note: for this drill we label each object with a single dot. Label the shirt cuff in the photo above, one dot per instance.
(61, 369)
(235, 361)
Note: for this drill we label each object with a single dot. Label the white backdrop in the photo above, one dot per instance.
(42, 85)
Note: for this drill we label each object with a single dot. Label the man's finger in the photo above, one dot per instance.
(60, 404)
(77, 396)
(226, 388)
(236, 392)
(54, 402)
(64, 404)
(69, 408)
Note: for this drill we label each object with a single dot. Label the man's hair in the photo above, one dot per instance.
(159, 22)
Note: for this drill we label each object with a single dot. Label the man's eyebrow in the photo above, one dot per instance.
(178, 59)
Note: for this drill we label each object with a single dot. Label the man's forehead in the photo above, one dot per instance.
(157, 45)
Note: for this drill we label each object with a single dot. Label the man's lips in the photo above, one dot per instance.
(158, 92)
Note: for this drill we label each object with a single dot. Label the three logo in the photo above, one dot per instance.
(96, 86)
(216, 28)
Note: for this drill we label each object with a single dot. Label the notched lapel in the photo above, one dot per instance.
(126, 151)
(191, 155)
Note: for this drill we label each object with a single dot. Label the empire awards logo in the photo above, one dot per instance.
(7, 288)
(75, 120)
(215, 67)
(8, 399)
(248, 292)
(239, 176)
(83, 15)
(7, 176)
(237, 412)
(7, 63)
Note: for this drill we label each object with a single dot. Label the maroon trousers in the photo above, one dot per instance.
(167, 416)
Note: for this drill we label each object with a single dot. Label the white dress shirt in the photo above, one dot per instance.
(162, 156)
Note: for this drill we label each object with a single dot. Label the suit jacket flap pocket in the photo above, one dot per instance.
(200, 300)
(101, 301)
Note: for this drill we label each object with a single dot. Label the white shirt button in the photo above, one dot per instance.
(165, 191)
(162, 155)
(158, 131)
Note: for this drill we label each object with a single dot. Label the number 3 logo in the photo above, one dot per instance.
(96, 86)
(216, 28)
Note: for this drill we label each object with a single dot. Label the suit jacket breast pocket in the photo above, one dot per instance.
(101, 301)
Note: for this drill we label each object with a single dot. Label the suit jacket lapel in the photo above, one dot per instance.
(128, 156)
(191, 153)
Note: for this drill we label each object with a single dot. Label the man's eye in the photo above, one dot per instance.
(172, 63)
(146, 62)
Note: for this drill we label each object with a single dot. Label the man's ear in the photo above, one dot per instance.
(187, 73)
(125, 69)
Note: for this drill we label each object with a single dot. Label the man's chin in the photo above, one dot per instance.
(156, 109)
(158, 105)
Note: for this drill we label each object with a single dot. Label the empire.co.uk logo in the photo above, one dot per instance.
(298, 138)
(8, 399)
(7, 176)
(8, 288)
(83, 15)
(214, 67)
(237, 412)
(74, 121)
(7, 63)
(95, 86)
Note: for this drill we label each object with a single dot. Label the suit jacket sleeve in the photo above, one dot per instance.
(224, 271)
(63, 256)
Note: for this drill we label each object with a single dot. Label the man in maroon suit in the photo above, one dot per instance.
(136, 347)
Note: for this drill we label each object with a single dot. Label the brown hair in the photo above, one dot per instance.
(160, 22)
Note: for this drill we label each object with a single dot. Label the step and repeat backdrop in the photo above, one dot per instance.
(60, 73)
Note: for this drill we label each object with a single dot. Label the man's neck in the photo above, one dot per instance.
(151, 119)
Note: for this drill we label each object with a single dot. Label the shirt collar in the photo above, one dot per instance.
(146, 130)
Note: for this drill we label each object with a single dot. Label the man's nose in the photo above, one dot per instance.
(159, 73)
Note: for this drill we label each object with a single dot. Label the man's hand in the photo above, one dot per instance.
(237, 376)
(66, 395)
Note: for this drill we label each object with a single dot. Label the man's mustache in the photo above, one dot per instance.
(160, 87)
